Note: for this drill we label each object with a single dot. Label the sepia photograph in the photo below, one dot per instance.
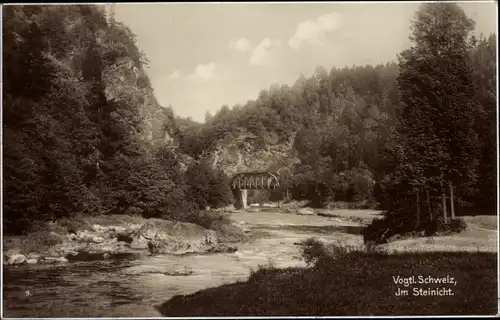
(266, 159)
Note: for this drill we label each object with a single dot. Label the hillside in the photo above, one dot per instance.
(335, 132)
(83, 131)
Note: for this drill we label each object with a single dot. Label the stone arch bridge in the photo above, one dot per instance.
(252, 180)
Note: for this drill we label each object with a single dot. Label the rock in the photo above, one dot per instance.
(32, 261)
(72, 236)
(12, 252)
(55, 260)
(125, 237)
(117, 229)
(221, 248)
(98, 239)
(99, 228)
(135, 226)
(17, 259)
(169, 271)
(305, 211)
(81, 234)
(32, 255)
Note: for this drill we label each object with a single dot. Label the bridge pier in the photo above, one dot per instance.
(241, 198)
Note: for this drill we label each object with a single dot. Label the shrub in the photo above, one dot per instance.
(39, 238)
(457, 225)
(208, 186)
(262, 271)
(438, 226)
(377, 232)
(206, 219)
(312, 251)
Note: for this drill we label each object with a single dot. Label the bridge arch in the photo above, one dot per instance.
(255, 180)
(243, 181)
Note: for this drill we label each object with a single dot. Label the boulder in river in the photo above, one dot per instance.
(55, 260)
(173, 237)
(17, 259)
(305, 211)
(98, 239)
(99, 228)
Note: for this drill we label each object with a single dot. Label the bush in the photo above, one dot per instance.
(438, 226)
(378, 231)
(208, 186)
(39, 238)
(206, 219)
(312, 251)
(457, 225)
(262, 271)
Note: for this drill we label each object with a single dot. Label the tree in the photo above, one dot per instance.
(483, 58)
(436, 124)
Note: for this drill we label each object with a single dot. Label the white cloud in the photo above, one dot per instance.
(315, 31)
(241, 45)
(204, 71)
(175, 75)
(260, 55)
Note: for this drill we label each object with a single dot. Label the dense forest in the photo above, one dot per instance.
(350, 126)
(78, 109)
(78, 136)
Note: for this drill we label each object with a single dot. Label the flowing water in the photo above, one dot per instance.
(131, 286)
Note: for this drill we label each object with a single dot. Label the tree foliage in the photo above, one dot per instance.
(75, 92)
(79, 108)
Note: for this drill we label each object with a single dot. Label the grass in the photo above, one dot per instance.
(356, 283)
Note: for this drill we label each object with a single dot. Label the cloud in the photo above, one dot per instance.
(315, 31)
(175, 75)
(204, 71)
(260, 55)
(241, 45)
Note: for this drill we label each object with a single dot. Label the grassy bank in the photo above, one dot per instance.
(358, 283)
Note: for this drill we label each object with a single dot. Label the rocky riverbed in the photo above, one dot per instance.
(99, 242)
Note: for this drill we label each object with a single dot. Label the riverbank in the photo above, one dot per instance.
(131, 285)
(102, 237)
(358, 283)
(361, 281)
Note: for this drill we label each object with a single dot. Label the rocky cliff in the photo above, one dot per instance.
(245, 152)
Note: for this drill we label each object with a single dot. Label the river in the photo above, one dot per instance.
(130, 286)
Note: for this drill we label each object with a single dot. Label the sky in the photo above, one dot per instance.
(205, 55)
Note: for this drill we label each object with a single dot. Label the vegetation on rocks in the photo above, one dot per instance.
(83, 132)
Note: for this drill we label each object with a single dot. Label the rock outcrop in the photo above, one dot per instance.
(103, 242)
(243, 153)
(165, 236)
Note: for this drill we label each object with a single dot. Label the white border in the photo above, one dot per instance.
(244, 2)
